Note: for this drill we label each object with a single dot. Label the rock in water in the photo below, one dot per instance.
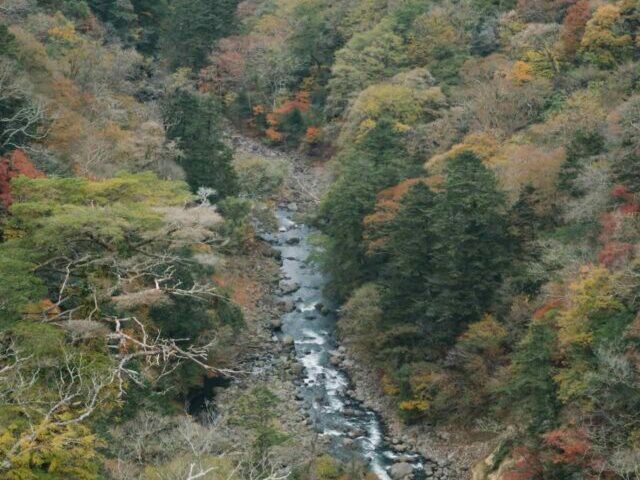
(401, 471)
(288, 287)
(276, 324)
(287, 340)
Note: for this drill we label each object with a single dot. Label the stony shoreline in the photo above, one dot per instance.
(447, 457)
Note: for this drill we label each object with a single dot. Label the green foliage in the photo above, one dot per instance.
(256, 411)
(532, 388)
(260, 177)
(473, 251)
(192, 121)
(583, 146)
(8, 45)
(378, 161)
(192, 28)
(410, 272)
(367, 58)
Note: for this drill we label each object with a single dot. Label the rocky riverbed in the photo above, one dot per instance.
(330, 393)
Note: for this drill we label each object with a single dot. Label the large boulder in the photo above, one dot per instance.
(401, 471)
(288, 287)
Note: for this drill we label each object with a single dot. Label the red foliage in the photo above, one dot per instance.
(546, 308)
(614, 253)
(300, 102)
(527, 465)
(570, 446)
(15, 164)
(573, 26)
(313, 134)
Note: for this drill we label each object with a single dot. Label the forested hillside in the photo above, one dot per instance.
(123, 254)
(480, 230)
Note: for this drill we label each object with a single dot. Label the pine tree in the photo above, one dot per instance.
(532, 388)
(191, 120)
(473, 250)
(407, 276)
(376, 162)
(192, 28)
(582, 146)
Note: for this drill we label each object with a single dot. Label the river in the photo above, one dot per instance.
(352, 428)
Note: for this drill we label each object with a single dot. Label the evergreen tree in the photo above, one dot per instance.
(192, 28)
(473, 250)
(376, 162)
(532, 387)
(524, 225)
(582, 146)
(119, 14)
(407, 275)
(191, 120)
(151, 17)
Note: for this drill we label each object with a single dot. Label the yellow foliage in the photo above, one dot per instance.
(601, 41)
(65, 32)
(521, 72)
(593, 293)
(483, 144)
(583, 110)
(414, 406)
(388, 386)
(402, 103)
(519, 165)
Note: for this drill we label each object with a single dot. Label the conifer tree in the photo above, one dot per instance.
(408, 273)
(191, 120)
(472, 253)
(192, 28)
(533, 387)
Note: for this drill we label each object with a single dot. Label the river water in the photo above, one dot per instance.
(352, 429)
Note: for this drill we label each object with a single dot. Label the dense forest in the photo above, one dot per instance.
(479, 230)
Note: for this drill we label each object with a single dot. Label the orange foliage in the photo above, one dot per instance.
(573, 26)
(388, 202)
(300, 102)
(527, 465)
(546, 308)
(14, 165)
(273, 135)
(313, 134)
(571, 446)
(521, 72)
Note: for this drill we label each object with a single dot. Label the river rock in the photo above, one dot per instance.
(287, 305)
(334, 360)
(293, 207)
(287, 340)
(282, 229)
(293, 241)
(400, 471)
(275, 324)
(288, 287)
